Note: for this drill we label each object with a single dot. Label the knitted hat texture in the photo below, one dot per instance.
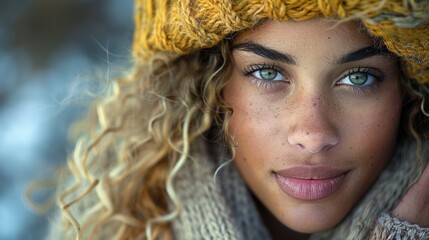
(178, 27)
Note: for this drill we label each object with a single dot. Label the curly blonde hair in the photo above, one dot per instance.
(133, 143)
(136, 139)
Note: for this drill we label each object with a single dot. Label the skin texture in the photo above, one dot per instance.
(414, 206)
(312, 115)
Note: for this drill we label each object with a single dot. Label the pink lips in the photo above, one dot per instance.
(310, 182)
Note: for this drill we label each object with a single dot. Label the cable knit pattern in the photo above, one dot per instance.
(391, 228)
(393, 183)
(224, 209)
(215, 211)
(180, 26)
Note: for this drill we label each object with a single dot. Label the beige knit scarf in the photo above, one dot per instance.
(222, 208)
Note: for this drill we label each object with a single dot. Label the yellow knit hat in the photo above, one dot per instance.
(178, 27)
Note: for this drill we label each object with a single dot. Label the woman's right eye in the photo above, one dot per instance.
(268, 74)
(264, 72)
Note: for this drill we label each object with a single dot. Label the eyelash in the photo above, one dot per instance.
(372, 72)
(251, 69)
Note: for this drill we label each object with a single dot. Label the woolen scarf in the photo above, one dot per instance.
(221, 207)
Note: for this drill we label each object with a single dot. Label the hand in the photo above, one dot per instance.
(414, 206)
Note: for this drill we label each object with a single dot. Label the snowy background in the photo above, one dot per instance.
(46, 46)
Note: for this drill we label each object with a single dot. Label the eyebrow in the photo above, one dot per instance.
(363, 53)
(265, 52)
(275, 55)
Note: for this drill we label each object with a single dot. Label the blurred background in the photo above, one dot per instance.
(48, 49)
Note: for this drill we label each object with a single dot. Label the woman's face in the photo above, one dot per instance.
(316, 110)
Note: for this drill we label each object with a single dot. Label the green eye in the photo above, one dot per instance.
(268, 74)
(264, 72)
(358, 78)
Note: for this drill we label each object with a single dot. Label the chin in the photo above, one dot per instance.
(310, 228)
(313, 217)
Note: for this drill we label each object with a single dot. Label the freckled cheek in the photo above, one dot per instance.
(373, 130)
(253, 125)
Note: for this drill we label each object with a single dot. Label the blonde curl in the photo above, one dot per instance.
(119, 180)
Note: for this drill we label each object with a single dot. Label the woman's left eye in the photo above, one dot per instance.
(359, 77)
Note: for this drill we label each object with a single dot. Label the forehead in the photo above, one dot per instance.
(315, 33)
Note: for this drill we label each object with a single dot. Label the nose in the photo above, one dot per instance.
(312, 129)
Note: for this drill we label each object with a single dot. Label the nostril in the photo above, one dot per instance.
(313, 143)
(322, 149)
(299, 145)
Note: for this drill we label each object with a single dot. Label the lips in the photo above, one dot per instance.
(310, 182)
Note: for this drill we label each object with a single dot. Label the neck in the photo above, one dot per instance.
(277, 230)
